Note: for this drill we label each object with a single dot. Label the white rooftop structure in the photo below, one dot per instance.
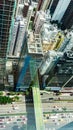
(34, 44)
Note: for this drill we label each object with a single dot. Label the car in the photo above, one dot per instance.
(15, 108)
(7, 117)
(8, 122)
(51, 98)
(47, 117)
(14, 122)
(1, 120)
(2, 126)
(71, 94)
(41, 93)
(9, 111)
(18, 119)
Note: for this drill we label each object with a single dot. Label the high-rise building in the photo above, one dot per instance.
(50, 60)
(62, 13)
(31, 50)
(61, 76)
(60, 10)
(29, 14)
(7, 10)
(14, 38)
(67, 19)
(6, 20)
(20, 38)
(39, 4)
(53, 5)
(45, 4)
(39, 21)
(25, 9)
(20, 5)
(70, 44)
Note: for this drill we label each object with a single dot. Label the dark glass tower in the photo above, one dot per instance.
(67, 20)
(6, 14)
(53, 6)
(7, 10)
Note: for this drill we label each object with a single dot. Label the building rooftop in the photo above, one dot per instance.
(34, 43)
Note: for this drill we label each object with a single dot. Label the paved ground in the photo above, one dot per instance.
(17, 116)
(13, 122)
(57, 106)
(12, 108)
(56, 121)
(49, 104)
(47, 95)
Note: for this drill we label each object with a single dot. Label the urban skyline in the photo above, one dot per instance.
(36, 63)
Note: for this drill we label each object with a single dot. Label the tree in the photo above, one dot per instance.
(1, 93)
(16, 98)
(4, 100)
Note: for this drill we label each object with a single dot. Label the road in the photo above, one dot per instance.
(54, 106)
(22, 109)
(9, 108)
(56, 121)
(13, 122)
(52, 95)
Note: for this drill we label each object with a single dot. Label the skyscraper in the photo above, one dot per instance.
(6, 20)
(53, 5)
(14, 38)
(39, 21)
(25, 9)
(7, 10)
(60, 10)
(45, 4)
(39, 4)
(67, 19)
(20, 5)
(20, 38)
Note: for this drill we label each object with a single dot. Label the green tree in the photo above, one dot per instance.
(4, 100)
(16, 98)
(1, 93)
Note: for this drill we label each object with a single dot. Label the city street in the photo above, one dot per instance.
(17, 116)
(13, 122)
(47, 95)
(57, 120)
(57, 106)
(56, 113)
(51, 102)
(12, 108)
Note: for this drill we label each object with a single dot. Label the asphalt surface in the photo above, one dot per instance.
(27, 110)
(57, 106)
(56, 121)
(14, 115)
(13, 122)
